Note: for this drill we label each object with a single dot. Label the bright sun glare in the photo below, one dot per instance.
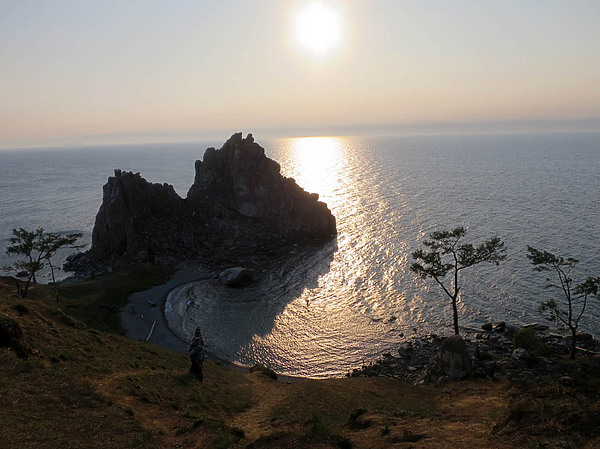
(318, 161)
(318, 27)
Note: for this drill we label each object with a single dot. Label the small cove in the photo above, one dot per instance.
(322, 312)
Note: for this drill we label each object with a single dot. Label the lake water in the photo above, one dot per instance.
(323, 311)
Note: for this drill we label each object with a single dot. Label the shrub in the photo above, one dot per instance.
(21, 309)
(316, 427)
(527, 339)
(11, 336)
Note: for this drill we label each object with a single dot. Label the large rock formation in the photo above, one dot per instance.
(133, 214)
(240, 177)
(239, 203)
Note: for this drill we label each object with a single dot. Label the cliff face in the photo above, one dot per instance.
(239, 202)
(240, 177)
(133, 214)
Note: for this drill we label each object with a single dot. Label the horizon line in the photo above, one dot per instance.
(538, 126)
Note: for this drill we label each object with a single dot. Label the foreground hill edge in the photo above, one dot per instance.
(68, 379)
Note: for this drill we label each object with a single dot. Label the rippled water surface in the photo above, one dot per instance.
(324, 310)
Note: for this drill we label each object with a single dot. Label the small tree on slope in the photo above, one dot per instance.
(23, 244)
(49, 243)
(446, 254)
(37, 247)
(575, 296)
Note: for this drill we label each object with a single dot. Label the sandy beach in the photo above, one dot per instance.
(146, 309)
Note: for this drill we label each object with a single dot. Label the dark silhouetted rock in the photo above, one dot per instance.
(238, 205)
(243, 179)
(523, 358)
(135, 218)
(455, 360)
(509, 331)
(500, 326)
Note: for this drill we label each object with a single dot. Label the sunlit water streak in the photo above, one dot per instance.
(323, 314)
(324, 310)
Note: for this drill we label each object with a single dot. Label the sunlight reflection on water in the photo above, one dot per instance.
(320, 322)
(323, 311)
(320, 163)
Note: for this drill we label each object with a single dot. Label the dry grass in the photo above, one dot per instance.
(81, 387)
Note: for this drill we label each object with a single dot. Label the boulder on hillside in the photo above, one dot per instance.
(11, 336)
(455, 360)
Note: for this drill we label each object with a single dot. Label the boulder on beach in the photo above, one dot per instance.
(263, 371)
(236, 277)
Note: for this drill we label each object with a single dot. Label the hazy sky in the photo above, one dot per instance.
(82, 71)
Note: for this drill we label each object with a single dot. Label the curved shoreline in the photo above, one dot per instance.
(146, 307)
(145, 316)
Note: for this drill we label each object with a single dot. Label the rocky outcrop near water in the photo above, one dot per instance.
(133, 216)
(239, 208)
(495, 352)
(241, 178)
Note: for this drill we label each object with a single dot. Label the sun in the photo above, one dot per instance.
(318, 27)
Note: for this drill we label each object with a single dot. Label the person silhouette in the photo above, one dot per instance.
(197, 354)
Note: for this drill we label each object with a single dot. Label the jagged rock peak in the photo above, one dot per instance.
(238, 205)
(130, 207)
(242, 178)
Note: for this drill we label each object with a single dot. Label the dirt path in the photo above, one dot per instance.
(257, 420)
(160, 420)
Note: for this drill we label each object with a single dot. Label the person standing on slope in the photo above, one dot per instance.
(197, 354)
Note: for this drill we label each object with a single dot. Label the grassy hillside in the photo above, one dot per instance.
(66, 384)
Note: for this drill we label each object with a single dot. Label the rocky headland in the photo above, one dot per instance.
(239, 209)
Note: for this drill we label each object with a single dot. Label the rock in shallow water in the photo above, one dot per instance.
(236, 277)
